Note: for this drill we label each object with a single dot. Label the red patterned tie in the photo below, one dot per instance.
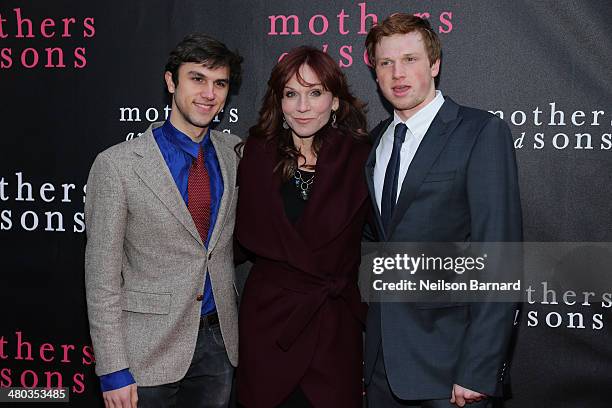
(198, 195)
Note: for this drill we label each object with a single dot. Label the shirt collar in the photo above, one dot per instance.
(183, 142)
(420, 121)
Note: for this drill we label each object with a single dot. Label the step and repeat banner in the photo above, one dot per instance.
(78, 77)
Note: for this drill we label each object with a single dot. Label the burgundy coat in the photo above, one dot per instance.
(301, 318)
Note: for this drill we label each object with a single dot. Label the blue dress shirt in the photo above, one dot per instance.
(179, 151)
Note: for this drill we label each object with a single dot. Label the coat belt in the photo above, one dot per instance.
(317, 288)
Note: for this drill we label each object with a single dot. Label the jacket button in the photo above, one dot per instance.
(199, 298)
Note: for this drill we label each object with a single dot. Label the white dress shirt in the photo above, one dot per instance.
(417, 127)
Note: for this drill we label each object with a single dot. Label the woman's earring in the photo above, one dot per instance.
(285, 124)
(334, 124)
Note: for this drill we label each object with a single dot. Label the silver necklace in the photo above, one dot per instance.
(302, 185)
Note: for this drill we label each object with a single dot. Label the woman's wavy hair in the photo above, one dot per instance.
(350, 116)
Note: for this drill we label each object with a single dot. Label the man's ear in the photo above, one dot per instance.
(169, 82)
(435, 68)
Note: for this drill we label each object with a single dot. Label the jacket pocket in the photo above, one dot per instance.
(444, 176)
(438, 305)
(143, 302)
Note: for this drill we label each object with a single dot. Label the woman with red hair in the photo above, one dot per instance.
(302, 207)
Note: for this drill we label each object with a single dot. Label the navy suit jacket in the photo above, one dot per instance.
(461, 186)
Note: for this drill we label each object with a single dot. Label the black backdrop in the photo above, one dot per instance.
(88, 75)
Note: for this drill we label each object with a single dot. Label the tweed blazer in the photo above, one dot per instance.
(145, 262)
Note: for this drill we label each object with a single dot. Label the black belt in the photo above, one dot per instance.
(211, 319)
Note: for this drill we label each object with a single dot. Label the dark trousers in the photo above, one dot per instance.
(380, 395)
(208, 382)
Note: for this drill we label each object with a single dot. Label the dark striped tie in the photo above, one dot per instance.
(389, 193)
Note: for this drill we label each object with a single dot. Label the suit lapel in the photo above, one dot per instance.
(369, 172)
(430, 148)
(153, 171)
(228, 172)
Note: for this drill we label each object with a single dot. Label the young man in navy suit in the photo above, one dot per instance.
(438, 172)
